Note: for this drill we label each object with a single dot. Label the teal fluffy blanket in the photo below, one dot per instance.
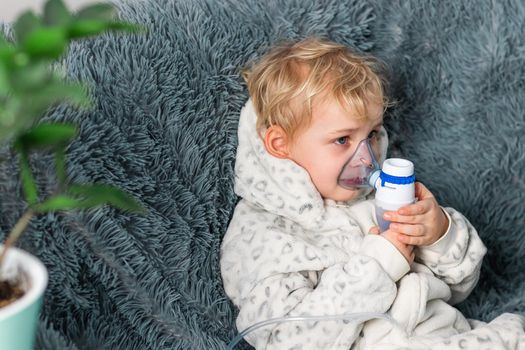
(164, 129)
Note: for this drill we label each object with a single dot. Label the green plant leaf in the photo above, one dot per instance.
(89, 196)
(7, 53)
(25, 24)
(46, 42)
(96, 194)
(3, 40)
(66, 91)
(83, 28)
(37, 102)
(9, 123)
(21, 110)
(96, 12)
(70, 92)
(8, 59)
(46, 135)
(30, 78)
(28, 182)
(59, 202)
(56, 13)
(127, 27)
(4, 80)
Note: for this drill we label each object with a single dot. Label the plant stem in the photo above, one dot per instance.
(15, 234)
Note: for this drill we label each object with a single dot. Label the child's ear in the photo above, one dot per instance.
(276, 142)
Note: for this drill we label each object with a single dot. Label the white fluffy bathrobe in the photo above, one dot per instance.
(288, 252)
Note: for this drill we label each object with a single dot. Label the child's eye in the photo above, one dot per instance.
(342, 140)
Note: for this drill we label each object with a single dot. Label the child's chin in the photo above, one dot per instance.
(348, 195)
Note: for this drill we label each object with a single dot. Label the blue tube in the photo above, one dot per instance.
(358, 316)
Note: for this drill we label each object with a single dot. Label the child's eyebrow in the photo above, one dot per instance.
(346, 131)
(351, 130)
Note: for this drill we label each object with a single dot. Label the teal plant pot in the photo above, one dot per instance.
(18, 320)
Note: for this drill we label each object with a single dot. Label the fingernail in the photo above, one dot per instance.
(387, 216)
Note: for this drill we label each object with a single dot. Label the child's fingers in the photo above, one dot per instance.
(418, 208)
(410, 240)
(406, 219)
(374, 230)
(409, 230)
(422, 192)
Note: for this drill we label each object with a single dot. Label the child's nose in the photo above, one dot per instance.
(366, 162)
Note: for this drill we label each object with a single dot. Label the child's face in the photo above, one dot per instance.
(329, 141)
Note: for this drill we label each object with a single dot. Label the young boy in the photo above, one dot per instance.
(300, 244)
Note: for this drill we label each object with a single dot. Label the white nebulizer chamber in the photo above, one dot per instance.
(395, 188)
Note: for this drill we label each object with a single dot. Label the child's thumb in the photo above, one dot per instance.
(374, 230)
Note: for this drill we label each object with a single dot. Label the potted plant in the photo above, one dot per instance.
(30, 84)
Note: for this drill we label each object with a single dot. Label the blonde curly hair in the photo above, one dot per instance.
(284, 82)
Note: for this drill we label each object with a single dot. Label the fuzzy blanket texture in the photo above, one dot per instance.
(164, 129)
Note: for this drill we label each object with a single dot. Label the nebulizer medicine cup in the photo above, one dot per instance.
(395, 188)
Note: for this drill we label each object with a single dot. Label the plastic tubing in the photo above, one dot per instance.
(358, 316)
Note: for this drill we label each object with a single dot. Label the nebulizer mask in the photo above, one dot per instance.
(394, 184)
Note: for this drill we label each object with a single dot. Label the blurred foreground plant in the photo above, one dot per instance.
(30, 85)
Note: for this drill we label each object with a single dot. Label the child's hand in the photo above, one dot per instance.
(421, 223)
(405, 249)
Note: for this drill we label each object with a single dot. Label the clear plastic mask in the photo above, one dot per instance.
(361, 165)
